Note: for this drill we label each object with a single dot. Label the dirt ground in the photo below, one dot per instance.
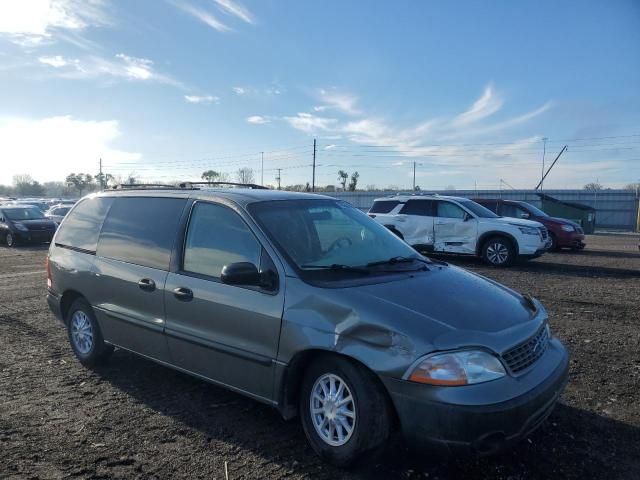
(135, 419)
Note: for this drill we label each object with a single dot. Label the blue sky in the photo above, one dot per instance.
(467, 90)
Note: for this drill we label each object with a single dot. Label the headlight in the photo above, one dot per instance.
(567, 228)
(457, 368)
(21, 227)
(529, 230)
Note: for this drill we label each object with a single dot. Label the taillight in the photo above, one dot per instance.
(47, 265)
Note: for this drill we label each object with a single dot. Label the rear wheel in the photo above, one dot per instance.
(85, 335)
(498, 252)
(344, 410)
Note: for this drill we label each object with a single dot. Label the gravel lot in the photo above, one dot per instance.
(137, 419)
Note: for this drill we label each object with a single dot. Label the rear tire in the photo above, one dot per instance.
(85, 336)
(498, 252)
(344, 421)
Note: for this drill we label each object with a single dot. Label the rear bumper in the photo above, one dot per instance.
(53, 300)
(457, 418)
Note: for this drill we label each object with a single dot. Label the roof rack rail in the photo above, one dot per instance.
(140, 186)
(253, 186)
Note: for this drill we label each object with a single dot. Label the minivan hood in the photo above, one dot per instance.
(452, 298)
(36, 224)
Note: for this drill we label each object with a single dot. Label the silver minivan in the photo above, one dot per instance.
(305, 303)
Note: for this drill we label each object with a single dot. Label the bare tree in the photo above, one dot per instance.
(354, 181)
(593, 187)
(342, 178)
(245, 175)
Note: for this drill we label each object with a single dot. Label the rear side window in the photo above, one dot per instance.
(383, 206)
(493, 206)
(81, 228)
(216, 237)
(141, 230)
(423, 208)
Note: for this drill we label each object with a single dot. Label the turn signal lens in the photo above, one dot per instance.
(457, 368)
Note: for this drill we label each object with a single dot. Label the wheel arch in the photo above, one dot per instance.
(67, 299)
(496, 233)
(291, 382)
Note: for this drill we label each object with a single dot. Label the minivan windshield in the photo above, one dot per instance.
(328, 233)
(535, 211)
(478, 209)
(27, 213)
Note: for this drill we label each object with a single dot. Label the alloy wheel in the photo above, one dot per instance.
(497, 253)
(81, 332)
(332, 409)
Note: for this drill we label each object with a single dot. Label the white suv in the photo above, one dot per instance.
(434, 223)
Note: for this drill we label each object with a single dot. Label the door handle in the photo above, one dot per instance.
(183, 294)
(147, 285)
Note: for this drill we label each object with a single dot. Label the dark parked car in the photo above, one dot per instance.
(564, 233)
(305, 303)
(25, 224)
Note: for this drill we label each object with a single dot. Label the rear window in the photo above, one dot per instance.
(81, 227)
(423, 208)
(141, 230)
(383, 206)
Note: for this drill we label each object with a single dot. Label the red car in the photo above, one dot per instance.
(564, 233)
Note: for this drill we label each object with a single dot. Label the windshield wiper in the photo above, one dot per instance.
(337, 267)
(398, 259)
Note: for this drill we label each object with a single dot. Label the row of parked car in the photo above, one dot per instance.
(31, 220)
(499, 231)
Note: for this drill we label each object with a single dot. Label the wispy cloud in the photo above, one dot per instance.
(488, 104)
(57, 61)
(234, 8)
(204, 16)
(32, 23)
(341, 102)
(239, 90)
(258, 119)
(204, 99)
(309, 123)
(121, 66)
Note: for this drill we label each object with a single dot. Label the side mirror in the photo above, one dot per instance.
(524, 215)
(240, 273)
(466, 217)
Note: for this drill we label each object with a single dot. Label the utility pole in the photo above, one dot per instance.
(564, 149)
(313, 177)
(544, 151)
(278, 178)
(414, 176)
(262, 168)
(101, 179)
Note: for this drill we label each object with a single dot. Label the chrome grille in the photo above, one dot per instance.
(543, 233)
(527, 353)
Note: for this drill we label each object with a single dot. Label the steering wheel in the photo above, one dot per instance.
(339, 243)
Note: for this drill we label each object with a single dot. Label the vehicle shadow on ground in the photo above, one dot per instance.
(25, 248)
(602, 253)
(547, 267)
(573, 443)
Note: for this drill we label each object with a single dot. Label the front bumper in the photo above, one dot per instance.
(482, 418)
(33, 236)
(572, 240)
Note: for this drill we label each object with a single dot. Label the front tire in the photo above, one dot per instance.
(344, 410)
(554, 243)
(498, 252)
(10, 240)
(85, 336)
